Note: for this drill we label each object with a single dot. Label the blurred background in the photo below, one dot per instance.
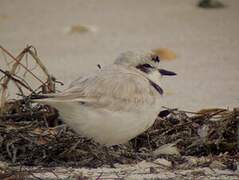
(72, 37)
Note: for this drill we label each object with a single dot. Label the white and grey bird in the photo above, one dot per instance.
(115, 103)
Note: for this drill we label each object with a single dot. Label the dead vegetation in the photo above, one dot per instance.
(33, 134)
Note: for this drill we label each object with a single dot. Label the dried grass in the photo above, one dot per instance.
(34, 135)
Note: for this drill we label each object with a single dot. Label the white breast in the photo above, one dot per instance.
(108, 127)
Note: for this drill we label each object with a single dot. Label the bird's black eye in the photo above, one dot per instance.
(144, 67)
(147, 65)
(155, 59)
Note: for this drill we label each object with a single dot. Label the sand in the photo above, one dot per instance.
(206, 41)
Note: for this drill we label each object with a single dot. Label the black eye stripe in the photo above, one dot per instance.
(144, 67)
(147, 65)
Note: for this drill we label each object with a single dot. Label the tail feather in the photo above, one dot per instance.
(57, 98)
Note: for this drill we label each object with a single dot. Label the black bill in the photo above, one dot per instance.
(164, 72)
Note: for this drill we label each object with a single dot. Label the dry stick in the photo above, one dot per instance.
(175, 109)
(26, 60)
(18, 61)
(16, 80)
(44, 69)
(5, 59)
(41, 65)
(7, 79)
(24, 82)
(14, 67)
(19, 88)
(22, 115)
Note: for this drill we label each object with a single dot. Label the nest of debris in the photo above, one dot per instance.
(33, 134)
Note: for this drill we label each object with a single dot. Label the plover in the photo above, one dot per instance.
(115, 103)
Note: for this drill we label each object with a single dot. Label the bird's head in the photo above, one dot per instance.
(146, 62)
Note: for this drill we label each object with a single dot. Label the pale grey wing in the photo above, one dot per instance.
(81, 78)
(114, 88)
(68, 94)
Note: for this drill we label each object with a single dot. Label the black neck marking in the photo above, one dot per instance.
(157, 87)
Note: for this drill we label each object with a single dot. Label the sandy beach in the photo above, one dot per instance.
(206, 41)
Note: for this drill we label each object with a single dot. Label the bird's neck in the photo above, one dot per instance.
(153, 78)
